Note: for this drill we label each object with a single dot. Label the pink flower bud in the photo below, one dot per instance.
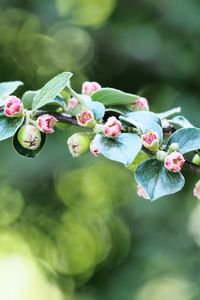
(141, 192)
(141, 104)
(86, 119)
(94, 150)
(196, 191)
(79, 143)
(13, 106)
(45, 123)
(29, 137)
(150, 140)
(174, 161)
(88, 88)
(112, 127)
(73, 102)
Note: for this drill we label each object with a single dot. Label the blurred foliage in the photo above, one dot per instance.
(75, 229)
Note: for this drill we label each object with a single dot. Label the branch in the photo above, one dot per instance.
(67, 118)
(189, 166)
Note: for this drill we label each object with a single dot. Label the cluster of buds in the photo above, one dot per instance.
(13, 106)
(141, 104)
(88, 88)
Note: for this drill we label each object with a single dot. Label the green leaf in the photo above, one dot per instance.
(138, 160)
(180, 122)
(51, 90)
(98, 109)
(123, 149)
(156, 180)
(8, 126)
(187, 138)
(109, 96)
(169, 113)
(119, 110)
(7, 88)
(28, 97)
(143, 116)
(27, 152)
(144, 121)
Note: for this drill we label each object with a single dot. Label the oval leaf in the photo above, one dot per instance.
(180, 122)
(109, 96)
(187, 138)
(8, 126)
(169, 113)
(123, 149)
(144, 121)
(28, 97)
(51, 90)
(7, 88)
(26, 152)
(156, 180)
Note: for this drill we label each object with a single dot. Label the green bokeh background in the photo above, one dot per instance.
(74, 229)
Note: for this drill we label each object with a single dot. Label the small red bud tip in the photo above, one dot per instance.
(45, 123)
(13, 106)
(196, 190)
(141, 192)
(174, 162)
(88, 88)
(73, 102)
(94, 150)
(112, 127)
(141, 104)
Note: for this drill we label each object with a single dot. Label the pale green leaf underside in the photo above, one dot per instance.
(123, 149)
(156, 180)
(187, 138)
(8, 126)
(7, 88)
(180, 122)
(144, 121)
(51, 90)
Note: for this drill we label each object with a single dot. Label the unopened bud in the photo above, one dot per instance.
(141, 104)
(29, 137)
(174, 162)
(150, 140)
(13, 106)
(112, 127)
(196, 190)
(141, 192)
(88, 88)
(79, 143)
(86, 119)
(173, 147)
(93, 148)
(196, 159)
(161, 155)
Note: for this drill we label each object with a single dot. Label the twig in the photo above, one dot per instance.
(67, 118)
